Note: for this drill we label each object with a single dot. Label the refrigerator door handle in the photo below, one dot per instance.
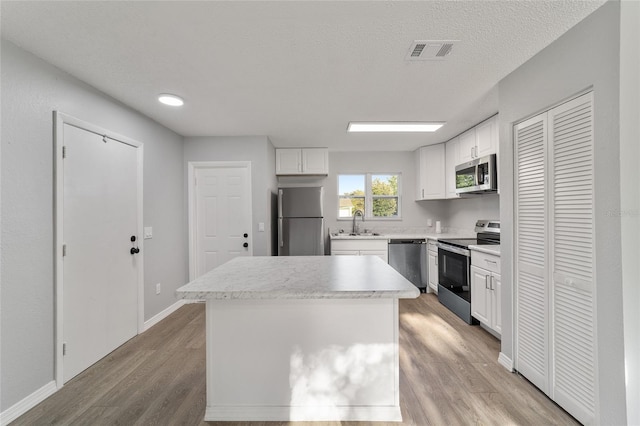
(280, 195)
(280, 239)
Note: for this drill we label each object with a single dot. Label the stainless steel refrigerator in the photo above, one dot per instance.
(300, 221)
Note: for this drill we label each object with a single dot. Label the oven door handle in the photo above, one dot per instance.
(453, 249)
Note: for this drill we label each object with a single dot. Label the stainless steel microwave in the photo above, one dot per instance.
(477, 176)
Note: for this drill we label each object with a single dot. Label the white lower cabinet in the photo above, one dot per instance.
(432, 254)
(358, 247)
(486, 288)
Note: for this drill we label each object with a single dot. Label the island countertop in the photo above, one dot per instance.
(301, 277)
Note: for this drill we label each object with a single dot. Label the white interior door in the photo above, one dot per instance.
(100, 274)
(221, 213)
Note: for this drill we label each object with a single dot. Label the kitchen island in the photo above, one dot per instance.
(302, 338)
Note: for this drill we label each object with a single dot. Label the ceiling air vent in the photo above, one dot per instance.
(430, 50)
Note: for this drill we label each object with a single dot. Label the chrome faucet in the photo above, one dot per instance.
(356, 213)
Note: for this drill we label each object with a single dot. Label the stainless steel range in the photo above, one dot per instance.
(454, 267)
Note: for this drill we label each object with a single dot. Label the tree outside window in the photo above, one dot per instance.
(376, 195)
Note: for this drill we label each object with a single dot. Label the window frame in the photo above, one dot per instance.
(369, 197)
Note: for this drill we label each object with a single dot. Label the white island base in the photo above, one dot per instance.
(302, 338)
(296, 360)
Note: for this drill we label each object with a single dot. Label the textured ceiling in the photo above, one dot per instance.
(296, 72)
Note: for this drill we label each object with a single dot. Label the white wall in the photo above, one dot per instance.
(258, 150)
(414, 214)
(31, 91)
(585, 56)
(462, 214)
(630, 197)
(457, 215)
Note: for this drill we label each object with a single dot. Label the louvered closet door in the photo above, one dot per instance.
(532, 312)
(572, 255)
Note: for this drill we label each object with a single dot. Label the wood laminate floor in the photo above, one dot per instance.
(449, 375)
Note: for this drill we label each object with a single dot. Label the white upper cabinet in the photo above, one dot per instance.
(487, 137)
(436, 164)
(315, 161)
(288, 161)
(431, 172)
(452, 159)
(480, 141)
(302, 161)
(467, 146)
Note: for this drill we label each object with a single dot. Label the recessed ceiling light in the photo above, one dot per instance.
(169, 99)
(396, 126)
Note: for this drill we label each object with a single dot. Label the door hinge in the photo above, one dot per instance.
(64, 348)
(64, 250)
(64, 152)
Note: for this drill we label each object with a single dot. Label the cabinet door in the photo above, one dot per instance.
(315, 161)
(496, 300)
(432, 172)
(467, 146)
(452, 159)
(487, 137)
(480, 295)
(433, 271)
(421, 167)
(288, 161)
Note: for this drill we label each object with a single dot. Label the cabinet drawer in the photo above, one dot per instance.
(357, 244)
(432, 245)
(486, 261)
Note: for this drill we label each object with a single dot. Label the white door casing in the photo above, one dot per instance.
(99, 282)
(220, 223)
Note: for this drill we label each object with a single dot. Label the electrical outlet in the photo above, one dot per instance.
(158, 288)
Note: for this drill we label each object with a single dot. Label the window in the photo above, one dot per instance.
(377, 195)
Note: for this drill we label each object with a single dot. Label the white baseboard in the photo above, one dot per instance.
(21, 407)
(162, 315)
(505, 361)
(280, 413)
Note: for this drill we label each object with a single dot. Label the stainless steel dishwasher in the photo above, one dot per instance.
(409, 257)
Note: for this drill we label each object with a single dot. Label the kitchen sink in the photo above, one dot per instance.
(362, 234)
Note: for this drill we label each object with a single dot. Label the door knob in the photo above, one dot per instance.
(134, 250)
(245, 245)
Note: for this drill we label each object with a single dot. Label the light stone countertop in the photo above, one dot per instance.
(430, 236)
(301, 277)
(487, 248)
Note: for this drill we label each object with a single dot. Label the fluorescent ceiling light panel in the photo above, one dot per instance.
(169, 99)
(395, 126)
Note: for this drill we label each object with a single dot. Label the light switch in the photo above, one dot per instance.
(148, 232)
(260, 226)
